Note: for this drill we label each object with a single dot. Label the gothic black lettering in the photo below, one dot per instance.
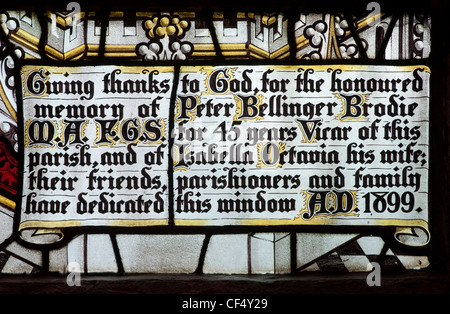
(39, 83)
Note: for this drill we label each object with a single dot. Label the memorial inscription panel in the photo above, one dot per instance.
(343, 145)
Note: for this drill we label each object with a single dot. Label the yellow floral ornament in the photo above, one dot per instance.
(162, 26)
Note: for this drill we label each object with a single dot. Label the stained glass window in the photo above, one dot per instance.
(193, 140)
